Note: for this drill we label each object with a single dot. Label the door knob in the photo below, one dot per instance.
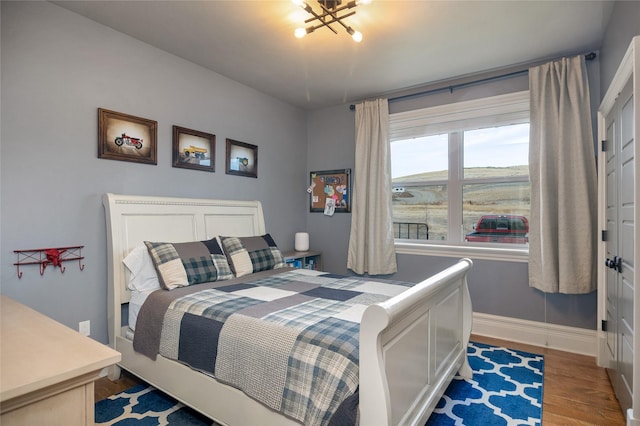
(615, 263)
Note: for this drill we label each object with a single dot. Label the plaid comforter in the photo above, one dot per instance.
(287, 338)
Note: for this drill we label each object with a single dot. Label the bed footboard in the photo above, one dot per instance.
(412, 345)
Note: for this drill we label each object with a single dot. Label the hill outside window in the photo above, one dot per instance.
(460, 177)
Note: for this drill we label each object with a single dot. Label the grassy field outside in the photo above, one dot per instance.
(416, 201)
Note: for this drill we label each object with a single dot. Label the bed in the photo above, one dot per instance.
(410, 345)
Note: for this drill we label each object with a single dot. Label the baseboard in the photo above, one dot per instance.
(563, 338)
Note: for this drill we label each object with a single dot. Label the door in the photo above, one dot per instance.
(620, 245)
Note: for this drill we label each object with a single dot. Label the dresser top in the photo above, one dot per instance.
(37, 352)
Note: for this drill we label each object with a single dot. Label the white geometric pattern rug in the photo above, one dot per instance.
(506, 389)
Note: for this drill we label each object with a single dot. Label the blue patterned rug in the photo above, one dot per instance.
(506, 389)
(144, 405)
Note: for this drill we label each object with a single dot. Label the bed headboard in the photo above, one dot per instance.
(132, 219)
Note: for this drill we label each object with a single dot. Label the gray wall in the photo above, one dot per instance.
(330, 139)
(58, 68)
(498, 288)
(623, 26)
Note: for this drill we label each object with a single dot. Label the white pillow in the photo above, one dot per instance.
(142, 275)
(135, 303)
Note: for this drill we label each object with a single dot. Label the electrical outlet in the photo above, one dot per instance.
(84, 327)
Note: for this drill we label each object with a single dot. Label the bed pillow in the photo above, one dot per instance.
(183, 264)
(252, 254)
(142, 272)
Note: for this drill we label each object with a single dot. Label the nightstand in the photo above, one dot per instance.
(304, 259)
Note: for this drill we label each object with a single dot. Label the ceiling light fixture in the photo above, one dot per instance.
(330, 13)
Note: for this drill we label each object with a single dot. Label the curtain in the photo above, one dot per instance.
(562, 170)
(371, 242)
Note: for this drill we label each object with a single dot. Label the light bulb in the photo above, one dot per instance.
(357, 36)
(298, 2)
(300, 32)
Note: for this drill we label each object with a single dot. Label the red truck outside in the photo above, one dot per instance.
(493, 228)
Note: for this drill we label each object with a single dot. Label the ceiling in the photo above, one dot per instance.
(406, 43)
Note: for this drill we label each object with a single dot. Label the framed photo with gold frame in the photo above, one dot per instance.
(193, 149)
(126, 137)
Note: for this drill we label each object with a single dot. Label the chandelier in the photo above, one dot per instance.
(331, 11)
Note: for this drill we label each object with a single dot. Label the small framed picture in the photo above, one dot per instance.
(242, 159)
(193, 149)
(330, 191)
(126, 137)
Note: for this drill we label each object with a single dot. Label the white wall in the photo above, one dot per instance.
(58, 68)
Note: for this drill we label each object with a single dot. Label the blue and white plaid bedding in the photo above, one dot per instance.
(287, 338)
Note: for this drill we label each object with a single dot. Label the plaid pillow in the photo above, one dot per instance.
(252, 254)
(183, 264)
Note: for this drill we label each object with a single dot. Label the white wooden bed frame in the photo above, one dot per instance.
(411, 346)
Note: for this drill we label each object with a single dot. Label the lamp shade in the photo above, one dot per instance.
(302, 241)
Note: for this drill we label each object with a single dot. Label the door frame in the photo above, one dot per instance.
(629, 68)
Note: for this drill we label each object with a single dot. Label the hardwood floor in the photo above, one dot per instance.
(576, 391)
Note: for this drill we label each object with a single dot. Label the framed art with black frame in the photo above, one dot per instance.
(126, 137)
(330, 189)
(193, 149)
(242, 159)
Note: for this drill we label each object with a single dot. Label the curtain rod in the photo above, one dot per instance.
(352, 107)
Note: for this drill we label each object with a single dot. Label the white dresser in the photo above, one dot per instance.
(47, 370)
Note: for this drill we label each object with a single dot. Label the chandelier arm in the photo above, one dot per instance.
(339, 20)
(329, 16)
(331, 21)
(349, 5)
(329, 12)
(323, 24)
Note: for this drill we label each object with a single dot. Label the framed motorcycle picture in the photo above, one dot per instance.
(126, 137)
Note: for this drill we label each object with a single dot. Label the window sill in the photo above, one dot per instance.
(473, 252)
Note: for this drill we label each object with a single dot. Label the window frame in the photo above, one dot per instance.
(453, 119)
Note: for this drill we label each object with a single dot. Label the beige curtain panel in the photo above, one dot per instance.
(371, 242)
(562, 170)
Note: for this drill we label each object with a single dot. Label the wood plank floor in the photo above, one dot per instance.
(576, 390)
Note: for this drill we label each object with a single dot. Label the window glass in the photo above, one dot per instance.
(496, 212)
(425, 159)
(497, 151)
(460, 172)
(420, 207)
(420, 212)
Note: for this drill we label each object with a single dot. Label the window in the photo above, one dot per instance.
(460, 173)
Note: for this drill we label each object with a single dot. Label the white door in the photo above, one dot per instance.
(619, 246)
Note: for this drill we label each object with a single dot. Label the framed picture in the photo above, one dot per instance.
(242, 159)
(330, 191)
(126, 137)
(193, 149)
